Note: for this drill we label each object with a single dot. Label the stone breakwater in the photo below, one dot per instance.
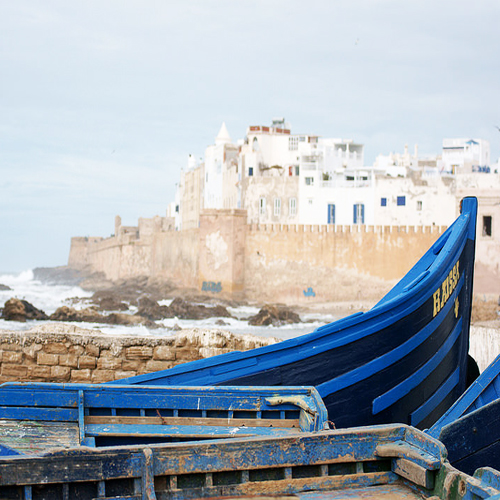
(66, 353)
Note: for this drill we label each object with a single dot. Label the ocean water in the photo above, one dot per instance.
(49, 297)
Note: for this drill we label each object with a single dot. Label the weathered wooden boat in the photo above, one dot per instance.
(404, 361)
(470, 429)
(382, 462)
(35, 417)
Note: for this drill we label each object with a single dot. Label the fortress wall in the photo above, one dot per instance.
(338, 263)
(222, 250)
(288, 263)
(78, 253)
(175, 256)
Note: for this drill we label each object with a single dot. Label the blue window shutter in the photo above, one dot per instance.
(331, 213)
(362, 214)
(355, 214)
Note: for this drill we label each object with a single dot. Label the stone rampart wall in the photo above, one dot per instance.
(175, 257)
(65, 353)
(268, 262)
(334, 263)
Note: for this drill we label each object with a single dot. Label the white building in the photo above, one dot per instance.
(466, 155)
(221, 162)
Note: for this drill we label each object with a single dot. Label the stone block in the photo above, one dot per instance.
(40, 372)
(60, 373)
(124, 374)
(31, 351)
(15, 372)
(13, 357)
(86, 362)
(82, 376)
(187, 354)
(139, 352)
(100, 376)
(92, 350)
(208, 352)
(8, 346)
(78, 350)
(155, 366)
(43, 358)
(164, 353)
(68, 360)
(109, 363)
(131, 365)
(55, 348)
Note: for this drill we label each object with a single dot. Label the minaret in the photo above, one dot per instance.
(223, 136)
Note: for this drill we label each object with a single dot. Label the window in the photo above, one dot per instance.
(383, 202)
(401, 201)
(293, 143)
(486, 225)
(262, 206)
(255, 144)
(331, 213)
(292, 207)
(309, 181)
(277, 207)
(358, 213)
(419, 205)
(250, 171)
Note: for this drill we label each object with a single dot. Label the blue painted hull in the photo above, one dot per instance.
(378, 462)
(404, 361)
(470, 429)
(36, 417)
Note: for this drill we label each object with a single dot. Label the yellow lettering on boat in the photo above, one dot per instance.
(437, 302)
(444, 292)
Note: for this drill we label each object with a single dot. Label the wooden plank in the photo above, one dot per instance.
(34, 437)
(214, 422)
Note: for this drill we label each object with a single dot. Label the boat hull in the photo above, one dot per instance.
(470, 429)
(371, 462)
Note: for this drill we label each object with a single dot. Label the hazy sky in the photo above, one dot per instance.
(102, 101)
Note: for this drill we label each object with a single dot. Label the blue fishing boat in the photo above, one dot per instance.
(404, 361)
(470, 429)
(35, 417)
(378, 462)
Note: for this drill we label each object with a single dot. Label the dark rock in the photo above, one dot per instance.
(185, 310)
(4, 288)
(91, 315)
(274, 315)
(21, 310)
(88, 315)
(109, 302)
(151, 310)
(129, 320)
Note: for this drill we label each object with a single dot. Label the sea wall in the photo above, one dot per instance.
(224, 255)
(65, 353)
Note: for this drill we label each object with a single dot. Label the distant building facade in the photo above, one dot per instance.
(284, 178)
